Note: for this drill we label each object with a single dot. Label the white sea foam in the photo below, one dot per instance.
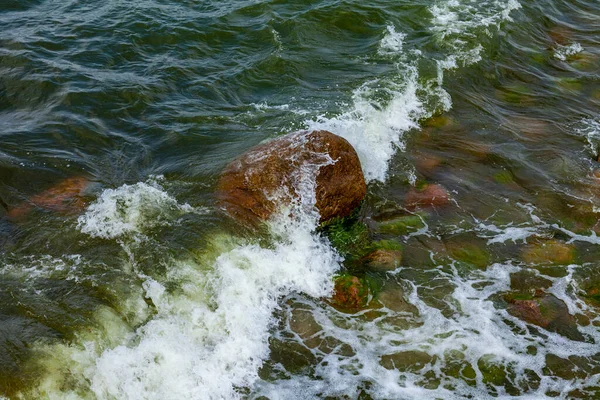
(392, 41)
(475, 334)
(503, 234)
(195, 350)
(130, 209)
(590, 129)
(376, 131)
(563, 53)
(457, 25)
(209, 338)
(44, 266)
(376, 128)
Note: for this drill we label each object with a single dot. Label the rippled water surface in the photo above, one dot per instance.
(120, 278)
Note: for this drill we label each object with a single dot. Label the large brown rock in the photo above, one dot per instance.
(273, 174)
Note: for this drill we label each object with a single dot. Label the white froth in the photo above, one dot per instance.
(192, 350)
(565, 52)
(130, 209)
(590, 129)
(458, 23)
(374, 130)
(511, 233)
(392, 41)
(208, 339)
(477, 330)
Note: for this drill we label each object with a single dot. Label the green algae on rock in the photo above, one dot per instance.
(549, 252)
(402, 225)
(351, 293)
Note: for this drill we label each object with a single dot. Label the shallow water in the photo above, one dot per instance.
(121, 278)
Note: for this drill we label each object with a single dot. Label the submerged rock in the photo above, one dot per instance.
(402, 225)
(274, 174)
(350, 293)
(527, 281)
(407, 361)
(65, 197)
(383, 259)
(544, 310)
(428, 195)
(473, 254)
(549, 252)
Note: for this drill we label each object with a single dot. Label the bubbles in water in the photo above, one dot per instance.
(564, 52)
(130, 209)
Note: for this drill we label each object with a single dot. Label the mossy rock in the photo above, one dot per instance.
(589, 284)
(496, 373)
(549, 252)
(349, 236)
(553, 271)
(574, 367)
(469, 253)
(515, 94)
(456, 366)
(402, 225)
(570, 84)
(438, 121)
(351, 293)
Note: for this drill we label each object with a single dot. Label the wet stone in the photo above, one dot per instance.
(549, 252)
(260, 181)
(393, 297)
(527, 281)
(303, 323)
(383, 260)
(544, 310)
(350, 293)
(426, 164)
(401, 225)
(291, 355)
(407, 361)
(66, 197)
(426, 195)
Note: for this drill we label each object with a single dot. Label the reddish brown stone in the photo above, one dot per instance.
(547, 311)
(431, 195)
(65, 197)
(268, 176)
(427, 163)
(350, 293)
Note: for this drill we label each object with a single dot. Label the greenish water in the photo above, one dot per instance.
(121, 279)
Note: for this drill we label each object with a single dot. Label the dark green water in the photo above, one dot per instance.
(121, 279)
